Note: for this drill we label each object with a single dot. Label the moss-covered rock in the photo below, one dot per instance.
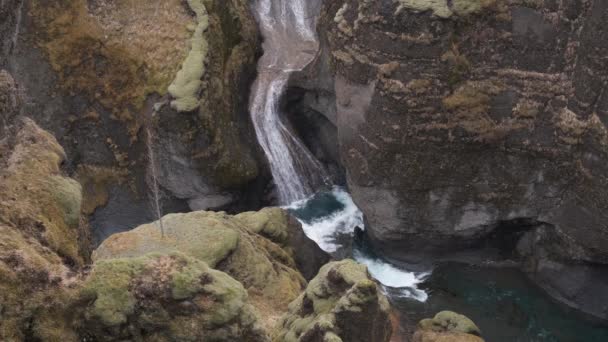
(342, 303)
(268, 222)
(166, 297)
(224, 242)
(447, 326)
(42, 241)
(34, 195)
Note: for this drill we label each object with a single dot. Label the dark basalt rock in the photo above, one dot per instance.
(453, 121)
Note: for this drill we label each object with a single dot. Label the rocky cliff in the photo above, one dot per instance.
(111, 78)
(461, 121)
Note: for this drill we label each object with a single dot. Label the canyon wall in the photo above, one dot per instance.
(462, 121)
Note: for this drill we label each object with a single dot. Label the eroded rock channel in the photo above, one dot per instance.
(431, 159)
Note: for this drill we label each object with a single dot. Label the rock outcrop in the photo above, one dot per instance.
(254, 248)
(165, 297)
(462, 120)
(342, 303)
(447, 326)
(101, 77)
(43, 244)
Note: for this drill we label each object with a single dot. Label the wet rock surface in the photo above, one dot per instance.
(457, 122)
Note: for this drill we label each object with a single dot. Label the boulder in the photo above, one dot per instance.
(447, 326)
(309, 257)
(342, 303)
(252, 248)
(165, 297)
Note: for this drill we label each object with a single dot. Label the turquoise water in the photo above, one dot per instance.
(505, 305)
(502, 301)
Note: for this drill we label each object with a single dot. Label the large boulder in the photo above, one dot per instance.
(281, 227)
(342, 303)
(253, 248)
(165, 297)
(464, 120)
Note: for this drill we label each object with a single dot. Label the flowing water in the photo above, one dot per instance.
(502, 301)
(506, 306)
(290, 44)
(331, 218)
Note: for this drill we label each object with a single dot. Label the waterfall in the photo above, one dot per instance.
(290, 44)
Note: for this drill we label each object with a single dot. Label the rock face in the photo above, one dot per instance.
(447, 326)
(342, 303)
(462, 120)
(9, 102)
(35, 196)
(141, 285)
(43, 242)
(101, 76)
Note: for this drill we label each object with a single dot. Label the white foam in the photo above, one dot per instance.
(324, 229)
(390, 276)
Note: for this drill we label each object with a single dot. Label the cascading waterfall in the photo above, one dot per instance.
(290, 44)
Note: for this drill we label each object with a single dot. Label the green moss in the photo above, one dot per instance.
(269, 222)
(229, 292)
(68, 194)
(109, 285)
(343, 286)
(451, 322)
(187, 84)
(207, 236)
(188, 281)
(454, 322)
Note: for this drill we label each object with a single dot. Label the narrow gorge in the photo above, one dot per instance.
(304, 170)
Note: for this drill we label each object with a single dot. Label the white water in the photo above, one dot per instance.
(290, 44)
(323, 230)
